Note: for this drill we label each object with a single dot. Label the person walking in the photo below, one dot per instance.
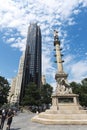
(10, 115)
(3, 117)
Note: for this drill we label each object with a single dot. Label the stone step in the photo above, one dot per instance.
(63, 116)
(59, 122)
(66, 112)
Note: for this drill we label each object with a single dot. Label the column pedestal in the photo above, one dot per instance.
(65, 110)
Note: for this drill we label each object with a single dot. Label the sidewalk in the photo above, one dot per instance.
(23, 122)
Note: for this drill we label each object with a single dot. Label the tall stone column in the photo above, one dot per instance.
(61, 76)
(58, 53)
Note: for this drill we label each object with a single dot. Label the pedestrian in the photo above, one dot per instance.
(3, 117)
(10, 115)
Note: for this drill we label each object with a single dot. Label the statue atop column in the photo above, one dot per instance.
(63, 86)
(55, 35)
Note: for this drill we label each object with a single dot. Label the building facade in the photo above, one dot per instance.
(30, 64)
(12, 91)
(43, 80)
(15, 89)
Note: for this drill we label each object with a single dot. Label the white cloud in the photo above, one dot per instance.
(47, 67)
(68, 59)
(20, 43)
(71, 21)
(77, 11)
(10, 40)
(79, 69)
(84, 2)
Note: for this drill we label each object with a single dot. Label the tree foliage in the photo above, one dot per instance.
(32, 95)
(4, 89)
(37, 96)
(46, 93)
(81, 90)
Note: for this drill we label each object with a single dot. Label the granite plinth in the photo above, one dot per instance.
(63, 113)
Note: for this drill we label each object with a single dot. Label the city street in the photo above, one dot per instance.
(23, 122)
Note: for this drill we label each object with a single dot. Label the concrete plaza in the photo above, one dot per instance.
(23, 122)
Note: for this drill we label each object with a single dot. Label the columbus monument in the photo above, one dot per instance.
(65, 107)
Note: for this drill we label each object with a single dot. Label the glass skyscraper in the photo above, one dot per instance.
(32, 61)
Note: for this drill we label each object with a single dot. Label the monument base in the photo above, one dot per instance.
(64, 110)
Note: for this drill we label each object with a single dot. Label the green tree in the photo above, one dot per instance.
(75, 87)
(46, 93)
(83, 94)
(81, 90)
(84, 82)
(4, 89)
(32, 95)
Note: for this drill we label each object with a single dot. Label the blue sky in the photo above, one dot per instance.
(68, 17)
